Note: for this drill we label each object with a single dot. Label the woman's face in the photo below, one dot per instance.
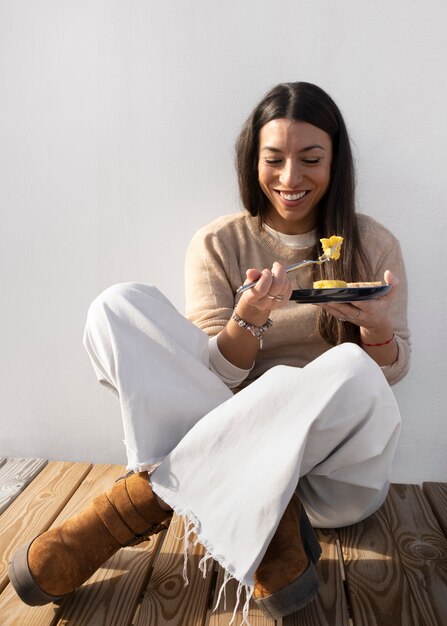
(294, 171)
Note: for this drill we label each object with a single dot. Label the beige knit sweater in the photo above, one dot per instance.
(221, 252)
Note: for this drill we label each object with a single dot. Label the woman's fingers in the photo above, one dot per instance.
(280, 284)
(256, 295)
(391, 279)
(345, 312)
(366, 313)
(272, 287)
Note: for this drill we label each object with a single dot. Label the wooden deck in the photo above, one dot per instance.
(390, 570)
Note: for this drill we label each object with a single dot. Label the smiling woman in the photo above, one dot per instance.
(294, 173)
(309, 437)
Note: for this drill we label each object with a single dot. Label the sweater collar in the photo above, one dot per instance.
(274, 245)
(297, 242)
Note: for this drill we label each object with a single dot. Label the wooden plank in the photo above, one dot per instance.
(15, 475)
(378, 592)
(35, 508)
(436, 494)
(329, 608)
(31, 513)
(423, 551)
(100, 479)
(224, 612)
(166, 600)
(12, 610)
(112, 594)
(387, 585)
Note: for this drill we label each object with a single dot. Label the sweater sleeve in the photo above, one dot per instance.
(211, 267)
(230, 374)
(208, 290)
(392, 260)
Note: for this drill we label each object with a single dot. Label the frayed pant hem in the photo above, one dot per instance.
(144, 467)
(192, 526)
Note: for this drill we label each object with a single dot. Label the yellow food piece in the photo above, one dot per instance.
(332, 246)
(329, 284)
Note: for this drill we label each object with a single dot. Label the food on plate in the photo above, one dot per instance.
(331, 248)
(329, 284)
(377, 283)
(333, 284)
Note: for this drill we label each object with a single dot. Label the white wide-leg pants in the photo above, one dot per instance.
(229, 464)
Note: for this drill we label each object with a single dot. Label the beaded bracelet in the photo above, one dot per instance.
(256, 331)
(377, 345)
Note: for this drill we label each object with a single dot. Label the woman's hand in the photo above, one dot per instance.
(374, 319)
(272, 291)
(372, 315)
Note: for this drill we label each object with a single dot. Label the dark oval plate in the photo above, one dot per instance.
(340, 294)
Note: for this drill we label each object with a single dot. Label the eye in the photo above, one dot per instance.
(272, 161)
(312, 161)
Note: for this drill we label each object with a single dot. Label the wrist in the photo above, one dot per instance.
(380, 344)
(376, 337)
(255, 330)
(251, 314)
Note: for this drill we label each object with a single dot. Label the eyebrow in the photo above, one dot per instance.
(306, 149)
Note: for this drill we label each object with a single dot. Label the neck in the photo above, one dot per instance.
(292, 229)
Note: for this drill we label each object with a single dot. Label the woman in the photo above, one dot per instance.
(311, 432)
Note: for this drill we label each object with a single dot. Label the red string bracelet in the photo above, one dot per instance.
(376, 345)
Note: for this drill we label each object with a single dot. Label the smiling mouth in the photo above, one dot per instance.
(291, 197)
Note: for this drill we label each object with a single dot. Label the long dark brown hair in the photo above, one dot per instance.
(305, 102)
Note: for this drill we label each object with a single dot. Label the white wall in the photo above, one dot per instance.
(117, 125)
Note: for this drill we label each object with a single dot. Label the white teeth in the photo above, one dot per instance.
(292, 196)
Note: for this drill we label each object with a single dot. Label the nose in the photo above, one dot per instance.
(291, 174)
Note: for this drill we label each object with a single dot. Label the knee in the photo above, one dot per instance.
(107, 300)
(349, 351)
(357, 365)
(116, 299)
(127, 301)
(364, 382)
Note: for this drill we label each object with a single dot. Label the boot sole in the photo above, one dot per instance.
(293, 597)
(302, 590)
(23, 581)
(309, 539)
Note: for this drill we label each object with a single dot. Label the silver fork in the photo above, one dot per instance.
(327, 256)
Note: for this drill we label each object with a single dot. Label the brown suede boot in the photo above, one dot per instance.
(55, 563)
(286, 579)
